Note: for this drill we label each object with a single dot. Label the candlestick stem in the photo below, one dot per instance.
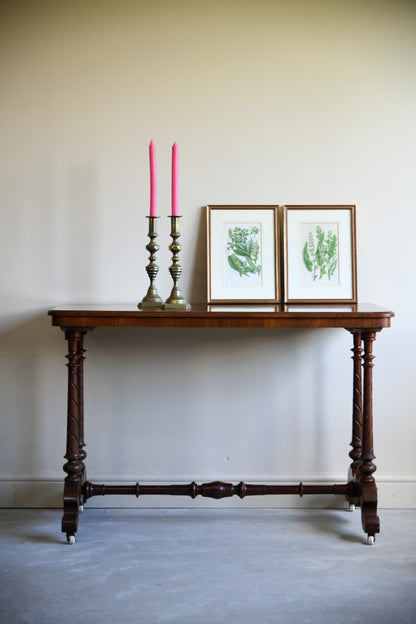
(176, 300)
(152, 299)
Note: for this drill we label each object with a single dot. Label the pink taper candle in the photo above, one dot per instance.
(174, 180)
(153, 193)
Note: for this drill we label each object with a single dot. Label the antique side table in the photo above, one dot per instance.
(362, 320)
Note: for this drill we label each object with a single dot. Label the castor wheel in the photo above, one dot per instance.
(370, 540)
(70, 539)
(351, 507)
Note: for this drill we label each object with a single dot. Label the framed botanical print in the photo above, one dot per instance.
(243, 254)
(319, 254)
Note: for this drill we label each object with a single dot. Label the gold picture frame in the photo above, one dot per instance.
(243, 254)
(319, 251)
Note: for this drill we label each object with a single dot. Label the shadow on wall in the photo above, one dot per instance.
(199, 262)
(248, 398)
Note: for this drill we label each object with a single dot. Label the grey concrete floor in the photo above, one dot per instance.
(207, 566)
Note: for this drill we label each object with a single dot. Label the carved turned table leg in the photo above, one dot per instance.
(74, 467)
(367, 483)
(357, 420)
(82, 451)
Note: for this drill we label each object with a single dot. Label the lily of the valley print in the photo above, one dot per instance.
(320, 261)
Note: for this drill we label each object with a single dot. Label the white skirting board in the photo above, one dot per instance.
(393, 493)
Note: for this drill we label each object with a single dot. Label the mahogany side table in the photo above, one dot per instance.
(362, 320)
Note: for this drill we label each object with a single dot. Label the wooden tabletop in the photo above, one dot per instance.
(349, 316)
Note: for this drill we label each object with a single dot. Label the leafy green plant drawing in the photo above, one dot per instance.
(320, 254)
(243, 249)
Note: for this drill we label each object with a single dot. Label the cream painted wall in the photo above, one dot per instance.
(270, 102)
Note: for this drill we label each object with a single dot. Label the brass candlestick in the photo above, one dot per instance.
(176, 300)
(152, 299)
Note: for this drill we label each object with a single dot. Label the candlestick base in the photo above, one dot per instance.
(175, 301)
(154, 303)
(151, 301)
(177, 305)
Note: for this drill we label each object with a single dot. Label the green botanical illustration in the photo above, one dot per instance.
(244, 246)
(320, 254)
